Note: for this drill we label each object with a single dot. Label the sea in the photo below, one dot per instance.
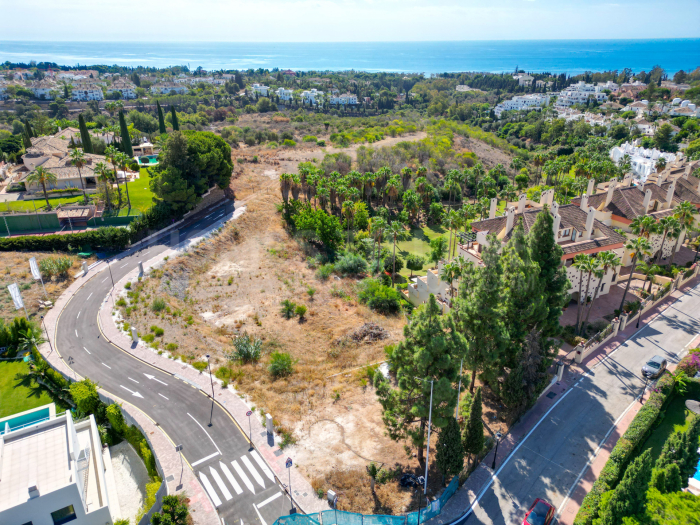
(554, 56)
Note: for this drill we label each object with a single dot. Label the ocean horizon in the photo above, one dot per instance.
(554, 56)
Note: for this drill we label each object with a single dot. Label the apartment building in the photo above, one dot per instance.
(344, 99)
(125, 87)
(642, 160)
(87, 92)
(534, 101)
(580, 93)
(42, 89)
(168, 88)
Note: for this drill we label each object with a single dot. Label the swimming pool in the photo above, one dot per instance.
(697, 472)
(26, 419)
(152, 160)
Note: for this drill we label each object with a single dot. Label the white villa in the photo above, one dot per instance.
(523, 103)
(344, 99)
(169, 87)
(643, 160)
(42, 89)
(87, 92)
(523, 79)
(579, 93)
(312, 96)
(126, 88)
(55, 471)
(284, 93)
(260, 89)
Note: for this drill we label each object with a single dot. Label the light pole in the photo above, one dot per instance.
(178, 448)
(427, 454)
(646, 382)
(48, 337)
(250, 428)
(212, 391)
(495, 454)
(109, 267)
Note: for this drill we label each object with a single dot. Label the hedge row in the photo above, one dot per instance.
(625, 449)
(101, 239)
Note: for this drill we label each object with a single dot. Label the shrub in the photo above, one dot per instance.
(288, 308)
(116, 418)
(311, 292)
(171, 347)
(321, 143)
(309, 138)
(300, 311)
(389, 264)
(158, 305)
(85, 395)
(350, 264)
(380, 298)
(200, 365)
(157, 331)
(55, 265)
(248, 349)
(120, 302)
(223, 373)
(289, 143)
(281, 364)
(324, 272)
(149, 338)
(127, 286)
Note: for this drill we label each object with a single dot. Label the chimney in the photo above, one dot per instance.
(543, 197)
(591, 186)
(611, 190)
(555, 226)
(589, 224)
(555, 207)
(584, 202)
(481, 238)
(510, 218)
(522, 199)
(647, 200)
(492, 209)
(669, 193)
(33, 490)
(627, 180)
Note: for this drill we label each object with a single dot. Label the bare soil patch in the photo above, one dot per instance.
(487, 154)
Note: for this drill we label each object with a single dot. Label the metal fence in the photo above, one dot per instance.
(341, 517)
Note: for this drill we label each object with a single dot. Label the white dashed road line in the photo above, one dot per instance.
(107, 366)
(76, 332)
(242, 475)
(88, 351)
(161, 395)
(134, 380)
(204, 459)
(268, 500)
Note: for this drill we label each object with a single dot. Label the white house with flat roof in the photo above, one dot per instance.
(284, 93)
(580, 93)
(260, 89)
(167, 88)
(52, 472)
(344, 99)
(312, 96)
(522, 103)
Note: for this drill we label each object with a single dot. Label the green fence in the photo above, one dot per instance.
(340, 517)
(111, 221)
(17, 223)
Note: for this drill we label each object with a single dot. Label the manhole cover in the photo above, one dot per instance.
(278, 452)
(170, 478)
(264, 433)
(551, 395)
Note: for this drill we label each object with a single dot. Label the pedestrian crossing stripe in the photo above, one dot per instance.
(263, 466)
(231, 479)
(210, 490)
(220, 483)
(252, 470)
(242, 475)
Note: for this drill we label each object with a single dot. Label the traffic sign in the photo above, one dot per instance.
(288, 463)
(249, 413)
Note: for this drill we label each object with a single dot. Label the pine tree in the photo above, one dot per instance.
(658, 479)
(126, 139)
(629, 497)
(161, 119)
(449, 454)
(473, 438)
(478, 315)
(431, 350)
(176, 123)
(545, 251)
(84, 135)
(28, 129)
(674, 481)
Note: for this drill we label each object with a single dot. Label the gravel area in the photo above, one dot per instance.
(130, 476)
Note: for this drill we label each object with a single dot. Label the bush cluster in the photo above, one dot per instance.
(100, 239)
(378, 297)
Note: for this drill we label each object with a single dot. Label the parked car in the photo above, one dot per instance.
(654, 367)
(540, 513)
(411, 480)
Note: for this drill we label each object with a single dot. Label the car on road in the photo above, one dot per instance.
(654, 367)
(540, 513)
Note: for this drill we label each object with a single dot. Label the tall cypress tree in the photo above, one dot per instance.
(431, 350)
(126, 139)
(478, 315)
(473, 438)
(84, 135)
(161, 119)
(449, 453)
(176, 123)
(28, 129)
(26, 140)
(553, 282)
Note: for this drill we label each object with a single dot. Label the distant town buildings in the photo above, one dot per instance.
(312, 96)
(126, 88)
(86, 92)
(344, 99)
(523, 79)
(168, 88)
(642, 160)
(523, 103)
(581, 93)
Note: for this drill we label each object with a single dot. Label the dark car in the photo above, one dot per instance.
(654, 367)
(540, 513)
(410, 480)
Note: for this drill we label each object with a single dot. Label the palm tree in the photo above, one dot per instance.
(607, 261)
(538, 161)
(516, 165)
(396, 230)
(104, 175)
(649, 271)
(377, 225)
(285, 186)
(43, 177)
(580, 263)
(406, 177)
(483, 206)
(644, 226)
(478, 173)
(30, 340)
(450, 221)
(666, 225)
(638, 246)
(660, 164)
(123, 160)
(348, 211)
(579, 185)
(77, 157)
(450, 272)
(674, 233)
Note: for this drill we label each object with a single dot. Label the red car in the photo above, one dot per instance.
(540, 513)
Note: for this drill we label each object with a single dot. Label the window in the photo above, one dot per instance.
(63, 515)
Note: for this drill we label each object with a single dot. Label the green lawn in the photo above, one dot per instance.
(418, 244)
(40, 203)
(676, 418)
(19, 395)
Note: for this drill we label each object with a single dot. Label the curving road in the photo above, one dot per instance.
(549, 461)
(237, 479)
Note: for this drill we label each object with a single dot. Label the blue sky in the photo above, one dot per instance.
(346, 20)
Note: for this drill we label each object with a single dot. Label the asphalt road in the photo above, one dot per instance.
(237, 479)
(550, 459)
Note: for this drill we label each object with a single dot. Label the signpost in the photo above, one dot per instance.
(250, 428)
(288, 465)
(178, 448)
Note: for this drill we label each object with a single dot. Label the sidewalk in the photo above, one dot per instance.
(303, 494)
(478, 481)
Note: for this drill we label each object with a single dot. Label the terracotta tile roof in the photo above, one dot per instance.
(571, 217)
(627, 201)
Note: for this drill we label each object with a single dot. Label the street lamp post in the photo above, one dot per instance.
(495, 454)
(211, 415)
(250, 428)
(48, 337)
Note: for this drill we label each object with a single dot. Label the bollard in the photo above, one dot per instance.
(85, 268)
(623, 320)
(616, 326)
(134, 335)
(140, 269)
(560, 370)
(268, 424)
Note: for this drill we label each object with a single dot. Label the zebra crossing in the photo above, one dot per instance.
(247, 474)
